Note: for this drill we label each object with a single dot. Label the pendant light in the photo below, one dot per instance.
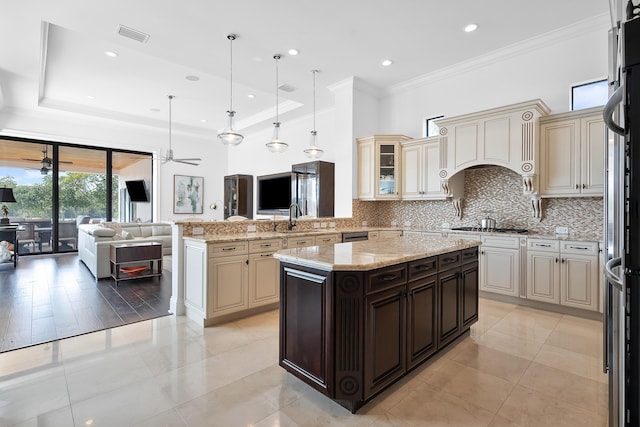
(276, 145)
(229, 136)
(314, 152)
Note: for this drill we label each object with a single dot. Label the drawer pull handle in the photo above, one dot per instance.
(424, 267)
(266, 255)
(229, 249)
(543, 245)
(448, 260)
(582, 248)
(265, 245)
(301, 242)
(388, 277)
(469, 254)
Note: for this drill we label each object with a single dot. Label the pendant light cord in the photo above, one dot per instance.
(314, 99)
(170, 98)
(277, 57)
(231, 38)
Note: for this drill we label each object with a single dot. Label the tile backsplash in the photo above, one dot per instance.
(493, 191)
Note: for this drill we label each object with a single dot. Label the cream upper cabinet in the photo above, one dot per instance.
(420, 169)
(572, 154)
(379, 167)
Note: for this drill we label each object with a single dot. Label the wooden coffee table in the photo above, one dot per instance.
(136, 254)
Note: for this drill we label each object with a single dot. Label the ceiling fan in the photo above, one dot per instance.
(46, 161)
(169, 157)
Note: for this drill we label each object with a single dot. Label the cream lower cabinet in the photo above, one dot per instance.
(264, 272)
(500, 265)
(299, 242)
(227, 278)
(385, 234)
(328, 239)
(563, 272)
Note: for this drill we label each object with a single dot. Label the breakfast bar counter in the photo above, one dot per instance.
(356, 317)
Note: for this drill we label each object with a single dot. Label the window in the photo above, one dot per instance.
(432, 129)
(590, 94)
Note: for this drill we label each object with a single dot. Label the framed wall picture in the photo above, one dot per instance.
(188, 194)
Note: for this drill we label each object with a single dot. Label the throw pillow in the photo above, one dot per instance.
(126, 235)
(103, 232)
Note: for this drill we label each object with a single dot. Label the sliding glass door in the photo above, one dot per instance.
(59, 186)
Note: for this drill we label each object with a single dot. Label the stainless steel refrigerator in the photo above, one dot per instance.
(622, 217)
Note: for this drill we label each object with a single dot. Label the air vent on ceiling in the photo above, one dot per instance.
(287, 88)
(132, 34)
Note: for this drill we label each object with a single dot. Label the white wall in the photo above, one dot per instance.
(542, 68)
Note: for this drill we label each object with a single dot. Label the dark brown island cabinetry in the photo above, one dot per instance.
(351, 334)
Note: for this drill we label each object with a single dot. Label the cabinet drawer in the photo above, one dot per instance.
(423, 268)
(300, 242)
(384, 278)
(328, 239)
(265, 245)
(543, 245)
(385, 234)
(501, 242)
(231, 248)
(447, 261)
(579, 248)
(469, 255)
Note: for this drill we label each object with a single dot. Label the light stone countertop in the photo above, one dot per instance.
(371, 254)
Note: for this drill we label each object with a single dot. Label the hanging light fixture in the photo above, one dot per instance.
(229, 136)
(276, 145)
(314, 152)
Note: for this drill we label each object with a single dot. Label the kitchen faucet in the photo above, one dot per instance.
(292, 220)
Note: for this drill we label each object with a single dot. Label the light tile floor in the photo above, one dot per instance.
(518, 367)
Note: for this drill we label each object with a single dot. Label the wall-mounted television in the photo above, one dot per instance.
(137, 190)
(274, 193)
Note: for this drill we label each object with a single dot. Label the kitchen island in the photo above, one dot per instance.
(356, 317)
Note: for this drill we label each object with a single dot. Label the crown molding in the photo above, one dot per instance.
(598, 22)
(356, 83)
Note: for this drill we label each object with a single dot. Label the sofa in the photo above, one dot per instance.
(94, 241)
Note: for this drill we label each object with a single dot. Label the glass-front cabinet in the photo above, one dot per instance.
(238, 196)
(379, 167)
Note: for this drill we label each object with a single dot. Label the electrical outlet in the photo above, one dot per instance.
(394, 224)
(323, 225)
(332, 224)
(446, 225)
(197, 231)
(407, 224)
(562, 230)
(251, 228)
(316, 225)
(364, 223)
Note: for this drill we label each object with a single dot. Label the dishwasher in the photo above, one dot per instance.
(355, 236)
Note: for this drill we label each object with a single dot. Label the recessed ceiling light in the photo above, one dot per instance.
(91, 97)
(293, 52)
(155, 110)
(192, 78)
(470, 28)
(251, 96)
(203, 120)
(387, 62)
(110, 53)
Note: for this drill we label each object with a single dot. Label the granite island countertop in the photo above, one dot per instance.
(371, 254)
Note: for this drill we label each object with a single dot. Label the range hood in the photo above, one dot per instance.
(505, 136)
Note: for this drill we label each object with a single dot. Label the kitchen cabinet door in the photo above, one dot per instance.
(500, 270)
(469, 277)
(421, 319)
(227, 285)
(592, 135)
(543, 276)
(579, 281)
(385, 340)
(449, 319)
(264, 279)
(379, 167)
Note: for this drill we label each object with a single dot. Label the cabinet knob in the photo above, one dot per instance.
(556, 260)
(577, 186)
(563, 260)
(584, 186)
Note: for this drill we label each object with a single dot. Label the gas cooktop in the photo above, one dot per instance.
(495, 230)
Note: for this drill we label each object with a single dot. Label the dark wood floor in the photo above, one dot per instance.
(51, 297)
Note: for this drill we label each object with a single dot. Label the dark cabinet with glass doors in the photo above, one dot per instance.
(238, 196)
